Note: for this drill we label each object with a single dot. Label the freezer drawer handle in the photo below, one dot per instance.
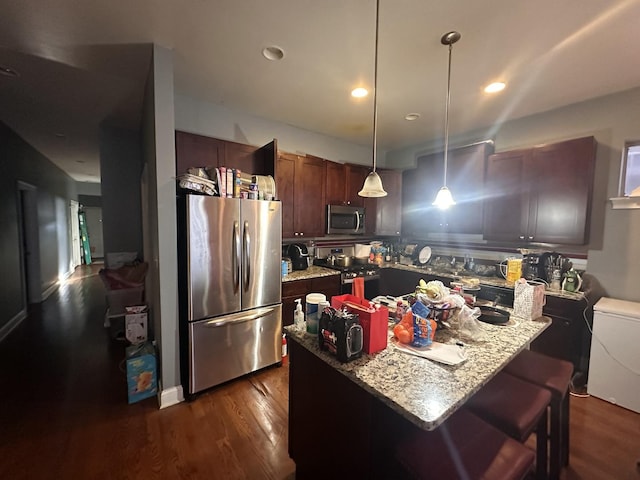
(246, 239)
(235, 257)
(239, 317)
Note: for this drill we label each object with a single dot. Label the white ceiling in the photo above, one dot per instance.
(83, 63)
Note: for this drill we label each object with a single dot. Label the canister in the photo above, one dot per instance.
(514, 269)
(313, 311)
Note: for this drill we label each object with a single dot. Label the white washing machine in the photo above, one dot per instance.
(614, 365)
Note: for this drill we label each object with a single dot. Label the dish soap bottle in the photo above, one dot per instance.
(298, 315)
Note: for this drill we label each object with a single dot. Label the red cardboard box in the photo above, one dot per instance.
(374, 323)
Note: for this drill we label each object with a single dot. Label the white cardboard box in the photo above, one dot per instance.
(135, 323)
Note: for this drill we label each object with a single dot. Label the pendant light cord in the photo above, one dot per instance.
(446, 118)
(375, 89)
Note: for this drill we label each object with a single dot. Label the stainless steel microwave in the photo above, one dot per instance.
(345, 219)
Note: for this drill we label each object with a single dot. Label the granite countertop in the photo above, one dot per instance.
(313, 271)
(492, 281)
(424, 391)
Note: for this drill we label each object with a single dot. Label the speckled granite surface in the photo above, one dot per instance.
(424, 391)
(312, 272)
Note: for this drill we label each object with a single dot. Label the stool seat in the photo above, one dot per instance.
(511, 405)
(551, 373)
(464, 447)
(555, 375)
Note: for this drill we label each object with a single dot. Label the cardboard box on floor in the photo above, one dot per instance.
(142, 381)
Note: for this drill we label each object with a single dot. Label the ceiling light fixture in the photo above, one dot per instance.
(373, 184)
(495, 87)
(411, 116)
(444, 199)
(8, 71)
(359, 92)
(273, 53)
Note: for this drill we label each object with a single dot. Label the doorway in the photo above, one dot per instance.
(29, 243)
(93, 216)
(74, 234)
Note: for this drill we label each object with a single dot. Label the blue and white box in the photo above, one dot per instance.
(142, 379)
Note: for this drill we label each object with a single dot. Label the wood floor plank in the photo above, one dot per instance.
(64, 412)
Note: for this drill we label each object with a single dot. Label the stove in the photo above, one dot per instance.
(367, 271)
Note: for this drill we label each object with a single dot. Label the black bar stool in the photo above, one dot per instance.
(517, 408)
(554, 375)
(464, 447)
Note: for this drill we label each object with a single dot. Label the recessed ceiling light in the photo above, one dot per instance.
(412, 116)
(60, 135)
(8, 71)
(80, 161)
(495, 87)
(273, 53)
(359, 92)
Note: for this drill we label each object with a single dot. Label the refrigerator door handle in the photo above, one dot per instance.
(246, 248)
(240, 317)
(235, 257)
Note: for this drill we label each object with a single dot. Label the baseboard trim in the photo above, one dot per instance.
(47, 293)
(171, 396)
(8, 327)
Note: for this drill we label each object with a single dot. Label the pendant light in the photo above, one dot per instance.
(373, 184)
(444, 199)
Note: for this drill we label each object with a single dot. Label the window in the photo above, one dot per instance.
(629, 191)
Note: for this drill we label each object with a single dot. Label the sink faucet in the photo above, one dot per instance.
(453, 261)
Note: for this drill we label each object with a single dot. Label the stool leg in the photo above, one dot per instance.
(555, 443)
(541, 447)
(565, 429)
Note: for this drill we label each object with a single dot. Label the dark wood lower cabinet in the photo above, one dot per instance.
(336, 428)
(330, 286)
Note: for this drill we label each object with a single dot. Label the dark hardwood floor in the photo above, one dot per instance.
(64, 411)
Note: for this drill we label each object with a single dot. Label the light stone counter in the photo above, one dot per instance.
(313, 271)
(492, 281)
(424, 391)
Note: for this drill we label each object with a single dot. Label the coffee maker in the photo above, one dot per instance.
(299, 256)
(531, 267)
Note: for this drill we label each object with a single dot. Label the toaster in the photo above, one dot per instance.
(340, 333)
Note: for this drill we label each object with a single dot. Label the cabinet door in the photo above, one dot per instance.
(356, 175)
(198, 151)
(336, 186)
(309, 208)
(466, 181)
(389, 209)
(414, 206)
(561, 177)
(285, 179)
(506, 208)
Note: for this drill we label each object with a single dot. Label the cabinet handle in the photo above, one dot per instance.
(302, 234)
(530, 237)
(521, 237)
(296, 234)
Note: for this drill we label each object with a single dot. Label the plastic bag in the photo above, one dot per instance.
(468, 326)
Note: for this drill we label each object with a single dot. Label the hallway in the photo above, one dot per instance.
(65, 414)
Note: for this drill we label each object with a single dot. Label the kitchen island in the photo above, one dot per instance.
(346, 419)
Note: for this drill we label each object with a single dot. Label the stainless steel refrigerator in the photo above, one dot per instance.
(230, 288)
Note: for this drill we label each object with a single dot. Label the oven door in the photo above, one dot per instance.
(371, 287)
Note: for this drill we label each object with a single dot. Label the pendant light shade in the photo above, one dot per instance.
(373, 184)
(444, 199)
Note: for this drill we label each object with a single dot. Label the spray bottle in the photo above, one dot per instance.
(298, 316)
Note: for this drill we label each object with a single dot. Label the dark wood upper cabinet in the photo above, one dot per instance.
(356, 174)
(465, 179)
(388, 218)
(541, 194)
(336, 186)
(200, 151)
(300, 181)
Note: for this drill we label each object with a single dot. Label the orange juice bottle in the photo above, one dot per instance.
(514, 269)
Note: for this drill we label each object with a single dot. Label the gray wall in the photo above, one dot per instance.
(21, 162)
(120, 170)
(613, 252)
